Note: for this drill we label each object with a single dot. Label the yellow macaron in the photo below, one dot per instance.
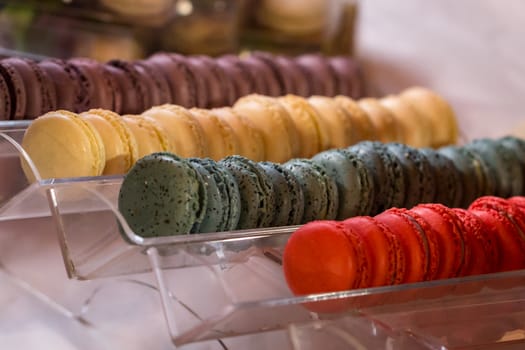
(149, 135)
(336, 120)
(250, 138)
(61, 144)
(363, 127)
(220, 137)
(438, 111)
(310, 127)
(385, 123)
(277, 127)
(416, 129)
(119, 142)
(186, 136)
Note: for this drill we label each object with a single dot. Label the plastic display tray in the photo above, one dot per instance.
(231, 284)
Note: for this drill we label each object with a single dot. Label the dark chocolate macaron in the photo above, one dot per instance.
(241, 80)
(208, 79)
(162, 196)
(320, 74)
(288, 195)
(134, 90)
(256, 191)
(162, 88)
(349, 77)
(7, 97)
(263, 66)
(16, 81)
(66, 87)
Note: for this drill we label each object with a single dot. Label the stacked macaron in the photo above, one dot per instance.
(364, 179)
(29, 88)
(427, 242)
(257, 127)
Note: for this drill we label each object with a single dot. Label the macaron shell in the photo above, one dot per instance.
(385, 124)
(186, 135)
(306, 124)
(319, 258)
(150, 137)
(16, 87)
(336, 120)
(416, 130)
(380, 249)
(437, 111)
(274, 123)
(363, 127)
(250, 138)
(412, 242)
(120, 144)
(219, 135)
(450, 239)
(170, 203)
(61, 144)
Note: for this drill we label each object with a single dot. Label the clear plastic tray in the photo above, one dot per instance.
(230, 284)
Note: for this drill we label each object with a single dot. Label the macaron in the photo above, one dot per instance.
(207, 80)
(61, 144)
(449, 236)
(256, 191)
(263, 71)
(448, 185)
(5, 99)
(242, 86)
(150, 136)
(65, 87)
(484, 253)
(250, 139)
(186, 135)
(472, 170)
(321, 199)
(437, 110)
(416, 129)
(288, 195)
(279, 132)
(420, 181)
(94, 81)
(354, 181)
(386, 126)
(349, 76)
(220, 137)
(161, 85)
(319, 73)
(119, 141)
(387, 172)
(503, 166)
(363, 127)
(386, 257)
(230, 196)
(290, 76)
(16, 88)
(413, 242)
(29, 99)
(516, 145)
(336, 120)
(162, 195)
(319, 258)
(312, 133)
(508, 222)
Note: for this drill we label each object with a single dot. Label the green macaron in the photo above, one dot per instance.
(162, 195)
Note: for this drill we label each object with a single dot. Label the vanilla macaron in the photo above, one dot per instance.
(280, 135)
(149, 134)
(221, 139)
(250, 138)
(385, 123)
(364, 129)
(119, 142)
(187, 139)
(61, 144)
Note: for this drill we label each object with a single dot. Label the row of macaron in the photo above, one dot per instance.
(101, 142)
(166, 195)
(426, 242)
(29, 88)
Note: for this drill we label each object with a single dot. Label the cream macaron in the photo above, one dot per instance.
(364, 129)
(310, 126)
(61, 144)
(148, 133)
(386, 126)
(222, 140)
(187, 139)
(437, 110)
(119, 142)
(280, 135)
(250, 138)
